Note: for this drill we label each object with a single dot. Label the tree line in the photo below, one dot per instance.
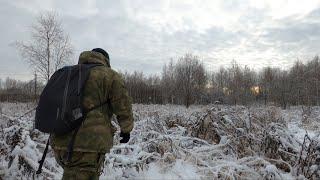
(186, 81)
(12, 90)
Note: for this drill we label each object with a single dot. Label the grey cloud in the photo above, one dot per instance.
(296, 35)
(134, 45)
(15, 24)
(315, 14)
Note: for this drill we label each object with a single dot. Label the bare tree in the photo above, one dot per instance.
(49, 47)
(10, 83)
(168, 84)
(190, 78)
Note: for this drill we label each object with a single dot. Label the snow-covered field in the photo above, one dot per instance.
(172, 142)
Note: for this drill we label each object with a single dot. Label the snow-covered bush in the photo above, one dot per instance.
(173, 142)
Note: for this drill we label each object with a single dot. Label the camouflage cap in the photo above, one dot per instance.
(102, 51)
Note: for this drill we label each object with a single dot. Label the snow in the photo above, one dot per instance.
(174, 142)
(157, 172)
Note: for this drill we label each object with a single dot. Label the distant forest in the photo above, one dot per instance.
(186, 81)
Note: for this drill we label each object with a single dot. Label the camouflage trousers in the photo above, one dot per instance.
(82, 166)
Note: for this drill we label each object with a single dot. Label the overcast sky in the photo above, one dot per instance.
(144, 34)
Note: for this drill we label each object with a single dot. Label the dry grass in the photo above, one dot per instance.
(220, 141)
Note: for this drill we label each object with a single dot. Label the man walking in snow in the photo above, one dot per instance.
(95, 136)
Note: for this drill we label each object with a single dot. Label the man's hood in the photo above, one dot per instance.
(88, 57)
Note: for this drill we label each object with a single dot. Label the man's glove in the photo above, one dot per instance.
(125, 137)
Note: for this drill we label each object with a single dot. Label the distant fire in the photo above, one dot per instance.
(226, 91)
(255, 90)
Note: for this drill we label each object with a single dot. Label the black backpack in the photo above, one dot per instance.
(59, 109)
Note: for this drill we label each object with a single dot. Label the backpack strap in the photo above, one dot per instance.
(69, 152)
(71, 143)
(43, 157)
(68, 155)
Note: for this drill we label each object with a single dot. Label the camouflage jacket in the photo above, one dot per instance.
(96, 132)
